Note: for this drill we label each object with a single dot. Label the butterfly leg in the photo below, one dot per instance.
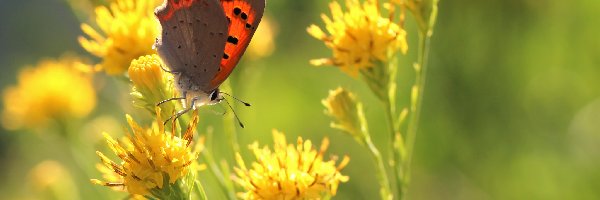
(172, 99)
(181, 112)
(168, 71)
(169, 99)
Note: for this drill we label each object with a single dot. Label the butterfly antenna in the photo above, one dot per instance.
(245, 103)
(234, 114)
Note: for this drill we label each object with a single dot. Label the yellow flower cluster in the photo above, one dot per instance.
(289, 172)
(129, 31)
(358, 37)
(54, 89)
(149, 157)
(151, 84)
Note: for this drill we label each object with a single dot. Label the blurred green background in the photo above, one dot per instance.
(511, 109)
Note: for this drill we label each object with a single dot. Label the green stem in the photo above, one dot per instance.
(200, 190)
(83, 163)
(381, 174)
(215, 170)
(396, 158)
(415, 107)
(229, 121)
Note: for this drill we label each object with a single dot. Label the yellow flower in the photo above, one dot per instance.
(347, 112)
(263, 42)
(54, 89)
(150, 157)
(358, 37)
(289, 172)
(50, 177)
(127, 31)
(151, 84)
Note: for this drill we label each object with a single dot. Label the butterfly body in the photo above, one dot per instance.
(202, 41)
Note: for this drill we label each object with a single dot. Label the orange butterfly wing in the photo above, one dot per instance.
(243, 17)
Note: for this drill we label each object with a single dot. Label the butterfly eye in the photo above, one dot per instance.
(214, 95)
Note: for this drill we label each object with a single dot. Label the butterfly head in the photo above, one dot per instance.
(196, 95)
(201, 98)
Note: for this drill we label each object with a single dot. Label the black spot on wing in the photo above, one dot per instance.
(232, 40)
(237, 10)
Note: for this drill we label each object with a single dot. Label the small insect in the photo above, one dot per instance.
(201, 43)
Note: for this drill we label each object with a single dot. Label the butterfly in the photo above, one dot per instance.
(202, 41)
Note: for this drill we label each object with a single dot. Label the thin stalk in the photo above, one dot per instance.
(381, 173)
(75, 150)
(200, 190)
(381, 80)
(415, 107)
(215, 170)
(229, 122)
(396, 158)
